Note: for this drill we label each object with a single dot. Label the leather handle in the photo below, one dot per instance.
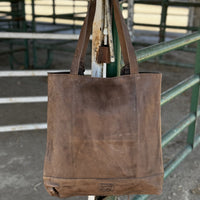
(127, 48)
(83, 39)
(124, 37)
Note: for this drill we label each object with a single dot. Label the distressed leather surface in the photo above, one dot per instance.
(104, 130)
(103, 55)
(104, 134)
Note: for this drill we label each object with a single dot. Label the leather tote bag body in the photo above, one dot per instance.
(104, 134)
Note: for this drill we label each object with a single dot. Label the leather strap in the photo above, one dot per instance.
(83, 39)
(128, 51)
(124, 37)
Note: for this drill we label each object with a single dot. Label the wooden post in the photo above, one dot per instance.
(97, 37)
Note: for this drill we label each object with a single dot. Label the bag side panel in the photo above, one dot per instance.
(59, 115)
(149, 125)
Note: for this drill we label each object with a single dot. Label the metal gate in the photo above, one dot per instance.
(192, 82)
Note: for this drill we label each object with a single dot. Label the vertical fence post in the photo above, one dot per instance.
(11, 54)
(163, 20)
(195, 99)
(74, 10)
(113, 69)
(19, 24)
(24, 27)
(34, 30)
(54, 11)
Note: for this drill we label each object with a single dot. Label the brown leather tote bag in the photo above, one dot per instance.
(104, 134)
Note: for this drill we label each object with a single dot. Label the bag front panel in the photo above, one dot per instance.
(105, 129)
(93, 123)
(90, 126)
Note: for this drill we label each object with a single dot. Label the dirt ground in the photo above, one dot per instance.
(22, 153)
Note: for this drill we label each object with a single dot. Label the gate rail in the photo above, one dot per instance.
(144, 54)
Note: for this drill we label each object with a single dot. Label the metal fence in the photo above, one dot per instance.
(38, 16)
(189, 120)
(58, 16)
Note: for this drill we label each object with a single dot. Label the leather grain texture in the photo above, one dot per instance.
(103, 55)
(104, 134)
